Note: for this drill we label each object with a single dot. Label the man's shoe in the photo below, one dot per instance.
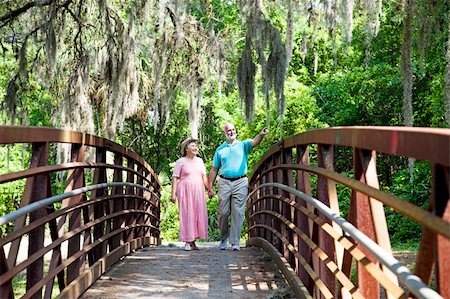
(235, 247)
(223, 244)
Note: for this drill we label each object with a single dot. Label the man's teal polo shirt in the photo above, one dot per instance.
(231, 159)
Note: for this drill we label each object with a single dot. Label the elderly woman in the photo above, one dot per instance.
(188, 187)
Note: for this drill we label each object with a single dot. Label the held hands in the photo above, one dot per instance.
(209, 186)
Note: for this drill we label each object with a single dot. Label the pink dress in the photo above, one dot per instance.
(191, 199)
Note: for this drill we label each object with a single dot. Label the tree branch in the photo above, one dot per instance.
(13, 14)
(7, 18)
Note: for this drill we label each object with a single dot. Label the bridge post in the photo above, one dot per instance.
(269, 203)
(277, 205)
(130, 203)
(40, 189)
(117, 203)
(261, 204)
(75, 180)
(288, 211)
(143, 205)
(99, 208)
(434, 250)
(303, 183)
(149, 205)
(251, 207)
(155, 208)
(6, 290)
(440, 202)
(360, 214)
(326, 193)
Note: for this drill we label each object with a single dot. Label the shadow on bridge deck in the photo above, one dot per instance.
(170, 272)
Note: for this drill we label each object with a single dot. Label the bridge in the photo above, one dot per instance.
(111, 207)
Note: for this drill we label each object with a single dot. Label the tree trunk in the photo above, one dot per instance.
(407, 67)
(447, 82)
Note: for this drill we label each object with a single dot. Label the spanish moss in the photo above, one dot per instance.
(246, 70)
(447, 81)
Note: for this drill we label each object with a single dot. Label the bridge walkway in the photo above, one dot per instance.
(168, 271)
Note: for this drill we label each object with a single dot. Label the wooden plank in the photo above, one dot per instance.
(295, 284)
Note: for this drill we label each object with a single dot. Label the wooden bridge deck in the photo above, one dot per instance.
(168, 271)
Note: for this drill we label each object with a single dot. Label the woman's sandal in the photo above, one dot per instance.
(194, 246)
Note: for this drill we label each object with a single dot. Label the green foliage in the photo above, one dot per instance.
(35, 104)
(213, 227)
(12, 158)
(169, 213)
(345, 195)
(222, 15)
(416, 190)
(361, 96)
(158, 146)
(10, 195)
(301, 115)
(19, 284)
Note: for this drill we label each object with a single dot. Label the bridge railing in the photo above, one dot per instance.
(110, 206)
(321, 246)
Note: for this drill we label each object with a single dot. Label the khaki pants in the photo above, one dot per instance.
(232, 200)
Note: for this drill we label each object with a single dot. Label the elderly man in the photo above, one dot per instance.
(231, 159)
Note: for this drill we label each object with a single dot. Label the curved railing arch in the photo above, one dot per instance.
(99, 220)
(319, 245)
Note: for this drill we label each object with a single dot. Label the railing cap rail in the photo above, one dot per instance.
(414, 142)
(28, 134)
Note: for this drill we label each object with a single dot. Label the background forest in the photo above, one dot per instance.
(147, 74)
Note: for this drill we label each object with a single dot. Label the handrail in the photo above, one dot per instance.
(57, 198)
(5, 277)
(410, 210)
(24, 134)
(411, 281)
(5, 178)
(103, 215)
(64, 211)
(306, 162)
(399, 141)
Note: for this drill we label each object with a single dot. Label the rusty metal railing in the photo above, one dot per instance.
(107, 210)
(322, 247)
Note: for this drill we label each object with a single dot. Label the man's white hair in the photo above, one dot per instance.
(224, 128)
